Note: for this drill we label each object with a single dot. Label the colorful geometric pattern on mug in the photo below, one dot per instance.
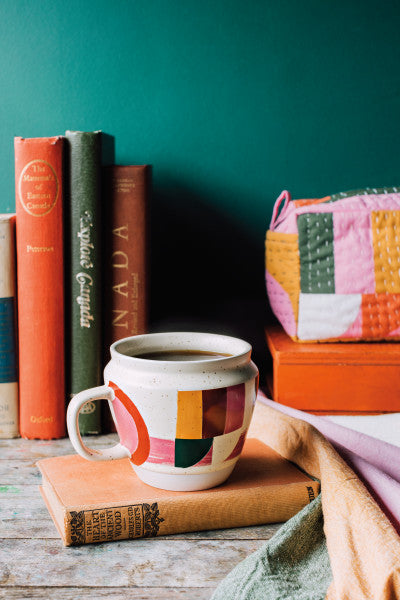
(211, 426)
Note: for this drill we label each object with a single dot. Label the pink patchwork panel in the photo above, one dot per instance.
(354, 257)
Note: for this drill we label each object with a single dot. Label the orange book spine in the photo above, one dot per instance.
(40, 280)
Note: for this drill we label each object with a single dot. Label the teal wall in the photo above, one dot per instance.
(229, 100)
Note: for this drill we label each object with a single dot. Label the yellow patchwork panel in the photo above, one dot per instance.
(283, 263)
(386, 243)
(189, 425)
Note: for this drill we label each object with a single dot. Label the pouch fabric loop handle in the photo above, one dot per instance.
(285, 195)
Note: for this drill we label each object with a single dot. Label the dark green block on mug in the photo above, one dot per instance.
(190, 452)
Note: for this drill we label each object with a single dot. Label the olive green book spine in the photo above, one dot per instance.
(83, 284)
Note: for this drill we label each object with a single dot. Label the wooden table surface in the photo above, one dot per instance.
(35, 564)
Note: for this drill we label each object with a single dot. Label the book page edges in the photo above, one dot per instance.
(57, 513)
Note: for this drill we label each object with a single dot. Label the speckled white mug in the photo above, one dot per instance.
(181, 423)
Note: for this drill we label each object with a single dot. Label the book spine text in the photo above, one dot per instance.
(40, 261)
(127, 191)
(168, 516)
(84, 268)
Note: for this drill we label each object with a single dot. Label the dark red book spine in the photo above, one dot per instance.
(126, 190)
(40, 271)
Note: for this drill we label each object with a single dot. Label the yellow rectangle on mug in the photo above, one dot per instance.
(189, 421)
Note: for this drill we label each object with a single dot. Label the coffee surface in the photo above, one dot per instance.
(181, 355)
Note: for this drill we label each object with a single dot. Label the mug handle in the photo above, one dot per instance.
(102, 392)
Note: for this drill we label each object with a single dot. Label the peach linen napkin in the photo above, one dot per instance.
(363, 546)
(376, 462)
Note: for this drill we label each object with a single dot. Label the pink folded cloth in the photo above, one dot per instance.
(377, 463)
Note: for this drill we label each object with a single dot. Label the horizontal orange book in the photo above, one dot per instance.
(334, 378)
(105, 501)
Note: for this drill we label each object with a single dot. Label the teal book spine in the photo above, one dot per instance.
(83, 283)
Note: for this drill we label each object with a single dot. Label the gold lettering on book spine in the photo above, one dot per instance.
(121, 288)
(38, 188)
(121, 232)
(114, 523)
(119, 315)
(120, 260)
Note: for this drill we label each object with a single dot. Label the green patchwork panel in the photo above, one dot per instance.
(364, 192)
(317, 263)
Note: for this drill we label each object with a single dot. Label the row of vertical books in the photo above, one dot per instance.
(73, 278)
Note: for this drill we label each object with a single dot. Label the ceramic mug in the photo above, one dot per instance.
(182, 404)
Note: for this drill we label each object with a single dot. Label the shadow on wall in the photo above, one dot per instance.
(207, 272)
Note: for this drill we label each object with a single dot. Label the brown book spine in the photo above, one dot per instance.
(126, 190)
(191, 512)
(126, 193)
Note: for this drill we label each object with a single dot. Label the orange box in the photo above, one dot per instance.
(334, 378)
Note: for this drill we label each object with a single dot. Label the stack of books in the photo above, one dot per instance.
(78, 244)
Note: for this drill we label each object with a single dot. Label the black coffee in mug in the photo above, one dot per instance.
(182, 355)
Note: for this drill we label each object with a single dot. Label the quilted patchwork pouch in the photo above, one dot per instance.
(333, 266)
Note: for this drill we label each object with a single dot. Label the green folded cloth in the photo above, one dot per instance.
(292, 565)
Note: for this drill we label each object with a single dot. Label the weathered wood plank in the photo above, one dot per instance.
(44, 529)
(17, 492)
(22, 528)
(122, 593)
(41, 527)
(23, 514)
(35, 449)
(145, 563)
(14, 472)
